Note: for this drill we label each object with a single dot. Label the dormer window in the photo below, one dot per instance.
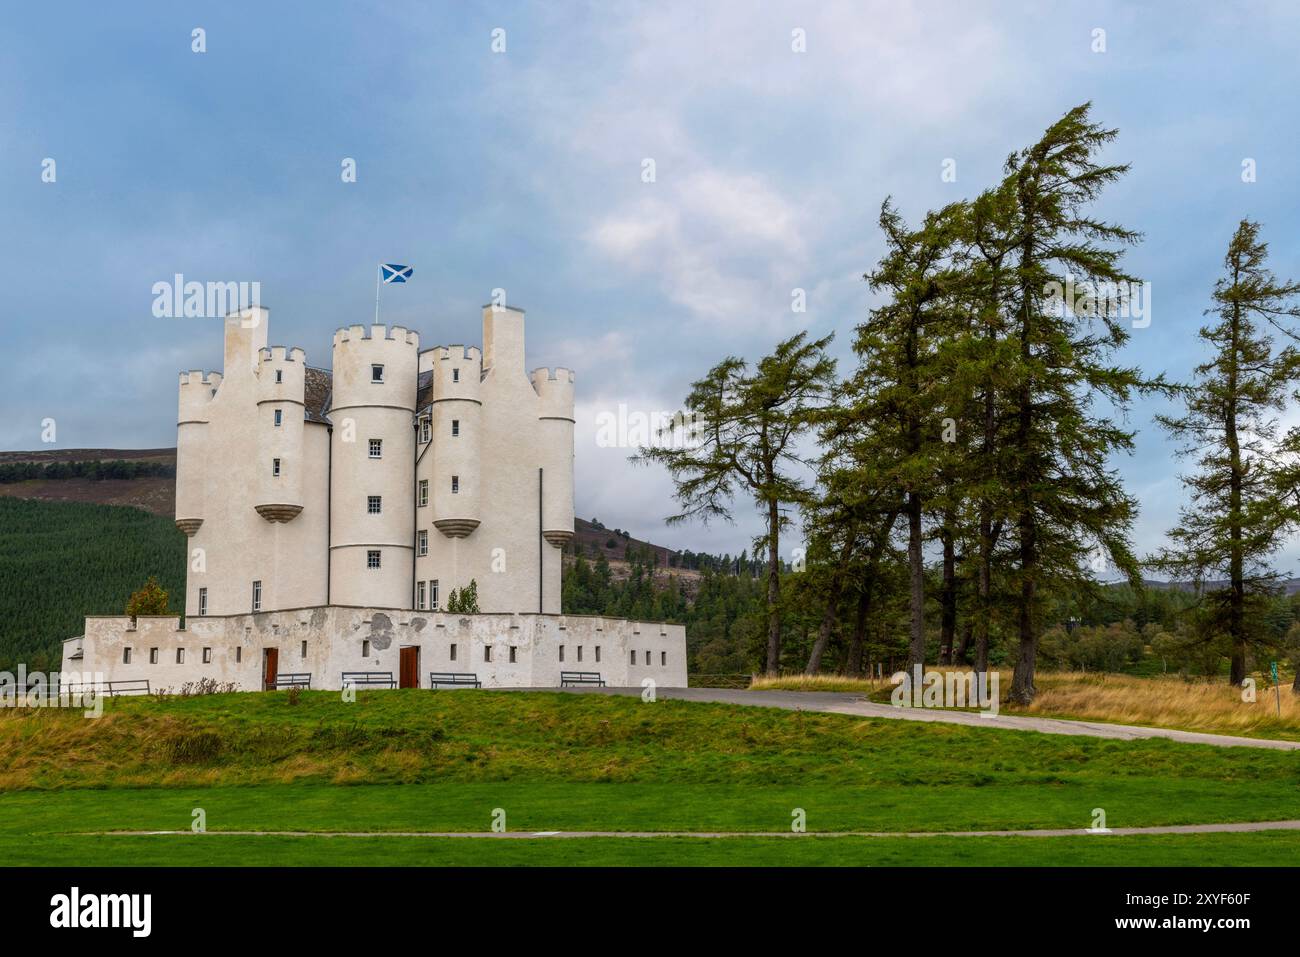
(424, 429)
(455, 375)
(376, 373)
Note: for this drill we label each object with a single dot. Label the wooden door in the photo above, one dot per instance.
(409, 670)
(270, 667)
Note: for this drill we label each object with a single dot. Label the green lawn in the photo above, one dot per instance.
(435, 761)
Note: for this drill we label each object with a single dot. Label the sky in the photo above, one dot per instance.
(504, 146)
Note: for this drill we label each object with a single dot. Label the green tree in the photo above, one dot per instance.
(1243, 492)
(749, 424)
(148, 599)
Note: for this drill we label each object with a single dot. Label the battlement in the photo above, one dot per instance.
(283, 354)
(455, 352)
(198, 377)
(376, 333)
(554, 387)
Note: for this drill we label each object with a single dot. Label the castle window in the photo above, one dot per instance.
(423, 497)
(632, 659)
(374, 504)
(455, 427)
(455, 484)
(580, 652)
(279, 377)
(561, 652)
(365, 647)
(453, 653)
(279, 416)
(598, 654)
(376, 448)
(424, 429)
(487, 652)
(275, 467)
(203, 601)
(419, 595)
(180, 656)
(257, 596)
(663, 659)
(153, 656)
(647, 656)
(207, 656)
(433, 596)
(126, 656)
(376, 373)
(455, 375)
(372, 558)
(513, 651)
(239, 655)
(422, 542)
(304, 650)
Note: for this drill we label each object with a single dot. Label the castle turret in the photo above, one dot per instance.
(196, 392)
(555, 421)
(372, 456)
(279, 391)
(455, 423)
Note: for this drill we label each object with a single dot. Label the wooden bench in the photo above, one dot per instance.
(453, 679)
(293, 680)
(110, 688)
(377, 679)
(570, 678)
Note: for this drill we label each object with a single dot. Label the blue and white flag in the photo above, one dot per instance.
(390, 273)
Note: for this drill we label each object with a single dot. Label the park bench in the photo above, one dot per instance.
(377, 679)
(454, 679)
(570, 678)
(110, 688)
(293, 680)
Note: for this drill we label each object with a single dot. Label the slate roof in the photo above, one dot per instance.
(317, 390)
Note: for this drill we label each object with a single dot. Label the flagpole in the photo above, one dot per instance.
(377, 271)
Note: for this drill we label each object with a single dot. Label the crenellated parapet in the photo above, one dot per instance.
(555, 392)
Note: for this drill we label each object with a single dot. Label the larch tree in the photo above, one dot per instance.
(747, 427)
(1244, 487)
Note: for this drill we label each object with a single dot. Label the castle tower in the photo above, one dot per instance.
(194, 409)
(280, 385)
(555, 420)
(372, 510)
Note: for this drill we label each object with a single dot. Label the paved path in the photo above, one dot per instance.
(855, 704)
(1231, 828)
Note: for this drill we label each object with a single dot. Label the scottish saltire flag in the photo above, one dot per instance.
(390, 272)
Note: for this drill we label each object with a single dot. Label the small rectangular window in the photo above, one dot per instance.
(304, 649)
(279, 416)
(126, 656)
(153, 656)
(455, 427)
(372, 558)
(207, 656)
(424, 429)
(561, 652)
(376, 448)
(455, 375)
(279, 377)
(203, 601)
(580, 652)
(513, 650)
(663, 659)
(433, 595)
(647, 656)
(374, 504)
(598, 653)
(423, 497)
(419, 595)
(376, 373)
(257, 596)
(633, 658)
(453, 652)
(180, 656)
(239, 655)
(275, 467)
(365, 647)
(422, 542)
(487, 652)
(455, 485)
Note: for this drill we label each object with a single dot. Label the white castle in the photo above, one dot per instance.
(330, 515)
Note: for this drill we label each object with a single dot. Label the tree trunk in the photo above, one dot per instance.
(856, 642)
(916, 567)
(1022, 682)
(948, 595)
(1236, 561)
(832, 603)
(773, 589)
(959, 657)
